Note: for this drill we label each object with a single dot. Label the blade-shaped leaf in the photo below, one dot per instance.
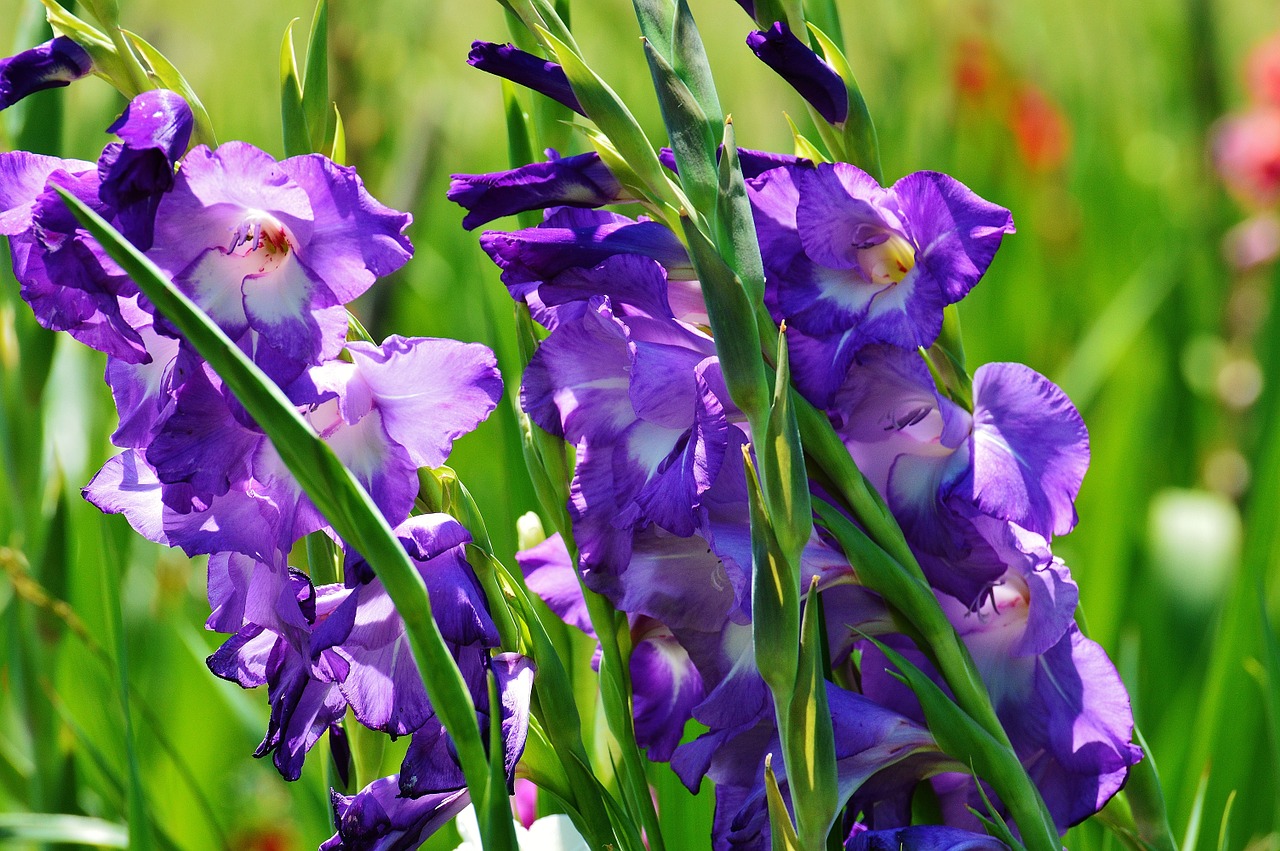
(315, 82)
(293, 120)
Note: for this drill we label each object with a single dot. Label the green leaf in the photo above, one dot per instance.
(802, 146)
(814, 789)
(733, 325)
(735, 226)
(693, 137)
(64, 829)
(315, 83)
(782, 832)
(859, 135)
(167, 75)
(331, 487)
(497, 828)
(293, 119)
(781, 456)
(775, 601)
(338, 150)
(963, 739)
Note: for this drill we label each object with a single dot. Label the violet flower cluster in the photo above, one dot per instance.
(980, 484)
(272, 252)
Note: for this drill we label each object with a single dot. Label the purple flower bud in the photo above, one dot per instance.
(134, 174)
(803, 69)
(48, 66)
(581, 181)
(533, 72)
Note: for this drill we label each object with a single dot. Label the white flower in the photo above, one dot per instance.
(549, 833)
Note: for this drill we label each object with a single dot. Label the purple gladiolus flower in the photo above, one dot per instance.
(50, 65)
(525, 69)
(276, 249)
(849, 263)
(579, 181)
(793, 60)
(155, 128)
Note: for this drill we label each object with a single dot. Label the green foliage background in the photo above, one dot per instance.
(1115, 286)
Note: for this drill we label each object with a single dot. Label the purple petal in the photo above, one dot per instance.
(525, 69)
(1030, 450)
(667, 686)
(549, 573)
(155, 128)
(958, 232)
(429, 392)
(814, 79)
(355, 239)
(47, 66)
(378, 819)
(922, 837)
(578, 181)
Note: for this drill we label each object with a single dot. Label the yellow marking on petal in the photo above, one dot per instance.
(888, 262)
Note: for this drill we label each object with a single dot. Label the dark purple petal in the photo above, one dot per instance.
(565, 241)
(922, 837)
(803, 69)
(201, 442)
(667, 686)
(578, 181)
(302, 709)
(155, 128)
(1030, 450)
(47, 66)
(378, 819)
(525, 69)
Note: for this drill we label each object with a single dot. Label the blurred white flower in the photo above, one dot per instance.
(549, 833)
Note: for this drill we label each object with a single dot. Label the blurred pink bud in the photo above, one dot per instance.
(1246, 149)
(1262, 72)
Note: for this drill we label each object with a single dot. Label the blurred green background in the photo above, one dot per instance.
(1089, 120)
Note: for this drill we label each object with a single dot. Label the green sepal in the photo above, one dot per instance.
(293, 119)
(105, 12)
(315, 82)
(457, 502)
(861, 147)
(802, 146)
(497, 828)
(669, 27)
(789, 12)
(166, 75)
(775, 599)
(815, 793)
(338, 150)
(781, 456)
(332, 488)
(733, 325)
(782, 832)
(824, 15)
(692, 138)
(735, 225)
(615, 120)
